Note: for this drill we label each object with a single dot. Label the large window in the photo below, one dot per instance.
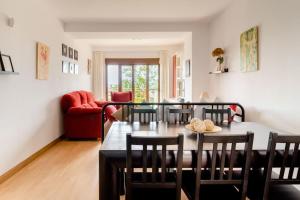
(141, 76)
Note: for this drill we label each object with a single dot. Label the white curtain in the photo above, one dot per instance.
(164, 75)
(99, 77)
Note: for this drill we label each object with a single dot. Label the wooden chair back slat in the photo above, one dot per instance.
(214, 159)
(155, 174)
(232, 159)
(224, 146)
(294, 159)
(284, 162)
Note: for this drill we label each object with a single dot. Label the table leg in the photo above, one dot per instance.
(108, 179)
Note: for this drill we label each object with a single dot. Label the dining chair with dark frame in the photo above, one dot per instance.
(272, 185)
(223, 179)
(217, 115)
(158, 183)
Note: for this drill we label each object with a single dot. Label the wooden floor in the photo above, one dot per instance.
(67, 171)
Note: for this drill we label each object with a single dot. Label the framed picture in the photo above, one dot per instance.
(6, 63)
(42, 63)
(76, 69)
(71, 68)
(249, 50)
(70, 53)
(75, 54)
(65, 66)
(89, 66)
(187, 68)
(64, 50)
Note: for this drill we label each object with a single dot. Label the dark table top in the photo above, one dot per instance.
(116, 137)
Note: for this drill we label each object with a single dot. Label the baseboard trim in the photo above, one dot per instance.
(28, 160)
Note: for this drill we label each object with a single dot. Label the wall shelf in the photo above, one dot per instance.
(9, 73)
(217, 72)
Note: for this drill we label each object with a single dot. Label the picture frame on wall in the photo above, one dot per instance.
(64, 50)
(42, 62)
(76, 69)
(70, 52)
(188, 68)
(6, 63)
(89, 66)
(71, 68)
(75, 54)
(65, 66)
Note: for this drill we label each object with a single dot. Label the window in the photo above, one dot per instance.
(141, 76)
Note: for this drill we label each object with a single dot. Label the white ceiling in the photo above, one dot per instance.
(135, 10)
(130, 39)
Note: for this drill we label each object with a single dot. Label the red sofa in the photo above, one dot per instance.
(82, 115)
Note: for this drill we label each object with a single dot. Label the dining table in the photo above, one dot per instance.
(112, 154)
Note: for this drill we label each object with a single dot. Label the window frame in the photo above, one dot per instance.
(132, 62)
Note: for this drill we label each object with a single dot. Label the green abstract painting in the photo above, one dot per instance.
(249, 50)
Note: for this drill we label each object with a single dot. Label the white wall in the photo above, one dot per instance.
(200, 42)
(30, 115)
(270, 95)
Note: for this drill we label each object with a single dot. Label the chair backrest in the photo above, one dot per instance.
(145, 115)
(158, 179)
(217, 115)
(287, 159)
(181, 115)
(121, 96)
(225, 173)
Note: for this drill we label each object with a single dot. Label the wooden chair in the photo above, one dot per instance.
(226, 173)
(145, 115)
(157, 184)
(217, 115)
(273, 185)
(181, 115)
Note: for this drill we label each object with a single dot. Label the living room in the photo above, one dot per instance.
(81, 42)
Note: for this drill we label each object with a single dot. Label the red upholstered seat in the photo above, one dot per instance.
(82, 115)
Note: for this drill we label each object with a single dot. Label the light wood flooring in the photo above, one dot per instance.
(67, 171)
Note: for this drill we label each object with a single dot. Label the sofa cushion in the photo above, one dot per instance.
(84, 109)
(70, 100)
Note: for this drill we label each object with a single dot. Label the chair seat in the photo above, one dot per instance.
(277, 192)
(209, 192)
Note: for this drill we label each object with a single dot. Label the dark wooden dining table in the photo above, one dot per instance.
(112, 155)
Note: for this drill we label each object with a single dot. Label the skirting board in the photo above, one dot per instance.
(28, 160)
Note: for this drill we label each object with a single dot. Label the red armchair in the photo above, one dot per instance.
(82, 115)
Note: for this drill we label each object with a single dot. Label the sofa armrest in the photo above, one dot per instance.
(84, 111)
(102, 103)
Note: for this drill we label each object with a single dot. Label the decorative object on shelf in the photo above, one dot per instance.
(89, 66)
(70, 53)
(71, 68)
(64, 50)
(249, 50)
(42, 64)
(6, 63)
(76, 69)
(75, 54)
(188, 68)
(65, 66)
(219, 52)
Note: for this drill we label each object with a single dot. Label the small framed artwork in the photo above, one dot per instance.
(71, 68)
(76, 69)
(89, 67)
(187, 68)
(65, 66)
(6, 63)
(64, 50)
(75, 54)
(42, 63)
(70, 53)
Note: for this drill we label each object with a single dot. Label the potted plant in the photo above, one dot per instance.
(219, 52)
